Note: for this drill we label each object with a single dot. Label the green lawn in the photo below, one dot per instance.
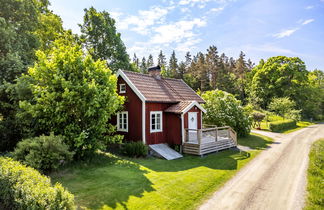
(315, 177)
(110, 181)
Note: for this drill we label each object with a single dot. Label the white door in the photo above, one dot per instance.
(192, 120)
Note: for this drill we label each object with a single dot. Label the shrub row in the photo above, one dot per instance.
(135, 149)
(282, 125)
(22, 187)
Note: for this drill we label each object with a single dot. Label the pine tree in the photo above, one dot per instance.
(150, 61)
(136, 60)
(161, 59)
(143, 66)
(173, 65)
(212, 62)
(182, 69)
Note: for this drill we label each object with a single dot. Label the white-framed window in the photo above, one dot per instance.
(122, 121)
(156, 121)
(122, 88)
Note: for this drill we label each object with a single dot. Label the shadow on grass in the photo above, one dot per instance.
(105, 180)
(224, 160)
(255, 142)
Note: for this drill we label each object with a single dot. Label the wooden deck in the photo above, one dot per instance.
(207, 140)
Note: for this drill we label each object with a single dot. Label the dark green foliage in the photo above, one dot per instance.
(282, 125)
(279, 77)
(315, 185)
(25, 26)
(101, 39)
(73, 96)
(23, 188)
(43, 153)
(224, 110)
(135, 149)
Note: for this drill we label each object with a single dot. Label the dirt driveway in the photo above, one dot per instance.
(276, 179)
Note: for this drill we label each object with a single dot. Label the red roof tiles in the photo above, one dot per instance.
(162, 90)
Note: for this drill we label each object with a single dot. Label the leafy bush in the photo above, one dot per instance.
(223, 109)
(43, 153)
(72, 95)
(282, 125)
(23, 187)
(257, 118)
(135, 149)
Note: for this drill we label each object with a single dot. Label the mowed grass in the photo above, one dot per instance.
(315, 177)
(110, 181)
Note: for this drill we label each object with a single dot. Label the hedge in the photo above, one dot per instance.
(282, 125)
(22, 187)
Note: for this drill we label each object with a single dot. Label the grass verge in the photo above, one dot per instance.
(110, 181)
(315, 177)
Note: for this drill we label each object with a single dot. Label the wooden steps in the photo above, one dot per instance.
(205, 148)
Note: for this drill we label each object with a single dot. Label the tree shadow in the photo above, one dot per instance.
(223, 160)
(105, 180)
(255, 142)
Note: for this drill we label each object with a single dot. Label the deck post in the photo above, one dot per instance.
(199, 136)
(216, 133)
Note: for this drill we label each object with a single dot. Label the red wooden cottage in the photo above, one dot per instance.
(157, 110)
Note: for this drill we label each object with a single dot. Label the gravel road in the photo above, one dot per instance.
(275, 179)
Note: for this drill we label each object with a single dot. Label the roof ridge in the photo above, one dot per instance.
(147, 75)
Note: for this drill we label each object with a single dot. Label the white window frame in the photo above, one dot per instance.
(155, 113)
(122, 88)
(120, 127)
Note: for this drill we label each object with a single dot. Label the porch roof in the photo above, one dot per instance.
(183, 107)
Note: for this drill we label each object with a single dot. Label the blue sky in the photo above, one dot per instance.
(260, 28)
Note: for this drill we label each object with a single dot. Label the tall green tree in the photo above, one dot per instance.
(150, 61)
(143, 66)
(279, 77)
(73, 96)
(101, 39)
(161, 59)
(173, 65)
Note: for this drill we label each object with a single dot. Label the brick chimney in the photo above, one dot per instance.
(155, 72)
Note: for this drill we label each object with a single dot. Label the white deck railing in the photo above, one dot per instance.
(210, 134)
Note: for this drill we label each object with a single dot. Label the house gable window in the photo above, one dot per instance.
(156, 122)
(122, 121)
(122, 88)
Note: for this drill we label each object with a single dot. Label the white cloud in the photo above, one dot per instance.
(285, 33)
(176, 32)
(309, 7)
(307, 21)
(145, 19)
(216, 9)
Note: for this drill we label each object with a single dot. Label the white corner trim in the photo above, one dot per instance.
(194, 103)
(140, 95)
(182, 129)
(143, 123)
(131, 85)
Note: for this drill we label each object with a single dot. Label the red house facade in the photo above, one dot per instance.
(157, 110)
